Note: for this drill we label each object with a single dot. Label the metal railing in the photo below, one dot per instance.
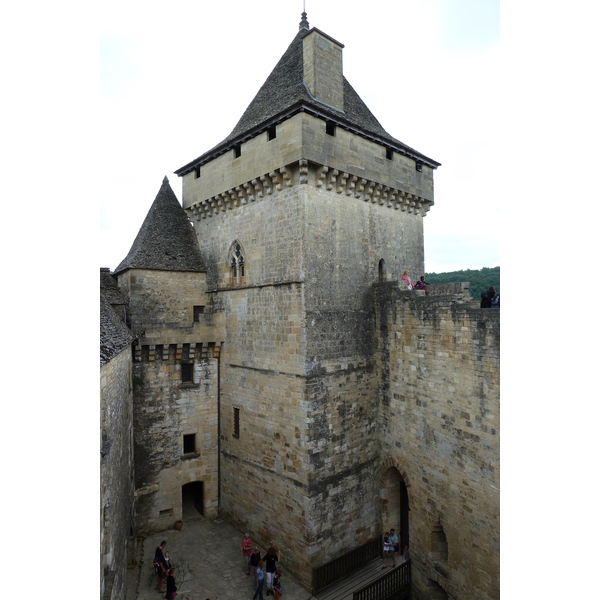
(346, 564)
(394, 585)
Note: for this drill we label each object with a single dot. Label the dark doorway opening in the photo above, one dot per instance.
(192, 500)
(404, 508)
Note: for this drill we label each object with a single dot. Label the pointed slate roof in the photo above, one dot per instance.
(284, 94)
(114, 334)
(166, 240)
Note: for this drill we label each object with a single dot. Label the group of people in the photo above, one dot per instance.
(262, 569)
(490, 299)
(391, 546)
(420, 285)
(165, 572)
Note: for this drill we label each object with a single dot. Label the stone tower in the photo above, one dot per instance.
(175, 400)
(297, 213)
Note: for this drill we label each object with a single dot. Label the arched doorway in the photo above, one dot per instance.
(192, 500)
(394, 505)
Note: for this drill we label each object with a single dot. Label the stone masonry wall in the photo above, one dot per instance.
(165, 410)
(440, 417)
(116, 472)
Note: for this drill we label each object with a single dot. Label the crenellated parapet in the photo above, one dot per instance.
(176, 352)
(303, 172)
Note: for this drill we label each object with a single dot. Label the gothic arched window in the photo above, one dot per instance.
(237, 263)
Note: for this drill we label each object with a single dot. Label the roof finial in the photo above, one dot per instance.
(303, 21)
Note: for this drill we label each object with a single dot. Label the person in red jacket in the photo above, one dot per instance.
(246, 552)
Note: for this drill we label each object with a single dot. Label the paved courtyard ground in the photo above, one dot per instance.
(207, 556)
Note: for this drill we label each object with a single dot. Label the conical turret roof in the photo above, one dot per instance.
(166, 240)
(284, 93)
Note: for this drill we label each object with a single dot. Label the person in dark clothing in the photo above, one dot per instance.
(486, 297)
(270, 559)
(420, 285)
(161, 566)
(171, 587)
(254, 558)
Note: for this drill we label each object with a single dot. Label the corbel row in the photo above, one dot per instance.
(325, 177)
(202, 350)
(370, 191)
(244, 194)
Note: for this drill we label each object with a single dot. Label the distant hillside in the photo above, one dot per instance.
(480, 280)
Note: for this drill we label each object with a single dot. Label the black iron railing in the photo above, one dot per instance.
(394, 585)
(346, 564)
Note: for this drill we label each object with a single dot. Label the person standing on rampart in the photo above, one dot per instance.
(486, 297)
(406, 279)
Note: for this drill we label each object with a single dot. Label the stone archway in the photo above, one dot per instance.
(394, 500)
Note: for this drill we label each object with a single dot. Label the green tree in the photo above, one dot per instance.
(480, 280)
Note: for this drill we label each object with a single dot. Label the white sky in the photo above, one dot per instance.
(176, 77)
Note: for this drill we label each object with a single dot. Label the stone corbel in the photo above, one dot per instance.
(322, 174)
(377, 193)
(276, 179)
(303, 171)
(332, 179)
(361, 187)
(287, 176)
(267, 185)
(235, 200)
(342, 183)
(241, 194)
(369, 191)
(384, 195)
(351, 185)
(249, 192)
(258, 189)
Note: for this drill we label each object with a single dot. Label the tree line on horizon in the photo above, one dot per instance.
(480, 279)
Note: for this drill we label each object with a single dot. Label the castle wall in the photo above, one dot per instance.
(440, 419)
(165, 410)
(116, 472)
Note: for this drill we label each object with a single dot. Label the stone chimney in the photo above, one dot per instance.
(323, 73)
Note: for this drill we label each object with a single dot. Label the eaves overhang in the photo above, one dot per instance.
(316, 111)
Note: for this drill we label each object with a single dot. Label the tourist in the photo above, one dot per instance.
(386, 549)
(254, 563)
(160, 566)
(246, 552)
(260, 580)
(394, 545)
(277, 584)
(171, 587)
(406, 279)
(486, 297)
(167, 561)
(405, 554)
(420, 285)
(270, 558)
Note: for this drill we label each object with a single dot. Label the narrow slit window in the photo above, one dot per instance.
(197, 171)
(237, 150)
(236, 423)
(389, 153)
(330, 128)
(272, 132)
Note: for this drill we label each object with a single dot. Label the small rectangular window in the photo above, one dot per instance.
(330, 128)
(198, 310)
(237, 150)
(187, 373)
(272, 132)
(189, 443)
(236, 423)
(197, 171)
(389, 153)
(419, 166)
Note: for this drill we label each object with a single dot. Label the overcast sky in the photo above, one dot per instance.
(176, 77)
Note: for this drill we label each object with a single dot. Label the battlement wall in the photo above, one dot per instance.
(440, 416)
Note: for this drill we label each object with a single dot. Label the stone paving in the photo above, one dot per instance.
(207, 556)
